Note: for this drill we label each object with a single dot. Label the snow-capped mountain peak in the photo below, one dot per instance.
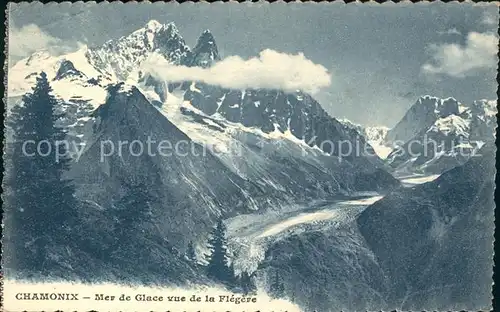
(456, 129)
(374, 135)
(118, 58)
(487, 108)
(72, 76)
(153, 25)
(38, 56)
(451, 124)
(87, 71)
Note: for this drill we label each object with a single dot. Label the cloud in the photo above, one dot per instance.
(478, 53)
(270, 70)
(23, 41)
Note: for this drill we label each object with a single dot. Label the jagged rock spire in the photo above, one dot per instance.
(205, 53)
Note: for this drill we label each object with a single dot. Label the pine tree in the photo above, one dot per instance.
(135, 234)
(232, 280)
(217, 267)
(277, 288)
(40, 204)
(191, 253)
(247, 283)
(133, 209)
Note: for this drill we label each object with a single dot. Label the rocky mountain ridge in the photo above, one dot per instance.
(438, 134)
(434, 135)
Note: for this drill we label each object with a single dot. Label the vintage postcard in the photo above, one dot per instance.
(249, 157)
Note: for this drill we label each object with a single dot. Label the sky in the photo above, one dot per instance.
(379, 58)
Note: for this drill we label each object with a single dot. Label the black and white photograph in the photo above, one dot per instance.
(272, 157)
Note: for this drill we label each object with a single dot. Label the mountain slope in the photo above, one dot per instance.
(299, 117)
(421, 248)
(433, 241)
(182, 175)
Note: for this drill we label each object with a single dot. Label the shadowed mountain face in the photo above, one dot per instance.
(422, 115)
(195, 187)
(327, 270)
(305, 120)
(67, 69)
(272, 110)
(422, 248)
(433, 241)
(205, 53)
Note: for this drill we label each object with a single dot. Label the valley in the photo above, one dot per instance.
(371, 229)
(251, 235)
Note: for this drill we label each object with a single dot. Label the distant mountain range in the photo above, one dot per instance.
(81, 78)
(435, 135)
